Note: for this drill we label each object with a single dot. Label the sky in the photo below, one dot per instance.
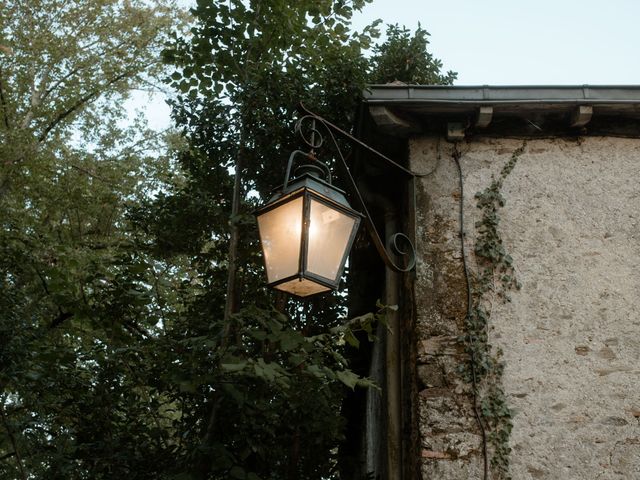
(516, 42)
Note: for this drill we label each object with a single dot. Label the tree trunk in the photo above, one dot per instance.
(231, 304)
(202, 464)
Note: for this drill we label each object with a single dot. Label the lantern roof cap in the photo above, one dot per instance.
(311, 182)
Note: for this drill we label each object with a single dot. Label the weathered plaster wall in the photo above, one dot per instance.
(570, 336)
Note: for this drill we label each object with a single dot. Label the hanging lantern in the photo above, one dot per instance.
(306, 231)
(308, 227)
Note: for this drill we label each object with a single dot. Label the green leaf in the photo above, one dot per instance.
(351, 339)
(238, 472)
(349, 378)
(188, 387)
(233, 367)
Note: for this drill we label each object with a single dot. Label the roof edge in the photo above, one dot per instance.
(485, 94)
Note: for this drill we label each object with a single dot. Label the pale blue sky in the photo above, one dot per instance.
(502, 42)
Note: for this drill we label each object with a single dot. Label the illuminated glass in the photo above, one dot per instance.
(329, 234)
(280, 234)
(306, 233)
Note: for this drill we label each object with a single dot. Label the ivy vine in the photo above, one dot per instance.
(495, 278)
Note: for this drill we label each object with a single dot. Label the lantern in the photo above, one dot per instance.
(306, 231)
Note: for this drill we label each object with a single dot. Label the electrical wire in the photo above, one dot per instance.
(456, 157)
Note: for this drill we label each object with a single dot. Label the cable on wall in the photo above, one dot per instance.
(456, 157)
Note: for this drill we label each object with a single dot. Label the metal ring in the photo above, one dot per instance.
(315, 133)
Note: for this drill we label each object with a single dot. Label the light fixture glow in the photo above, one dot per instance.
(306, 232)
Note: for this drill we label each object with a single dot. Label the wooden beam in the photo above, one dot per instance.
(455, 132)
(485, 114)
(581, 116)
(391, 123)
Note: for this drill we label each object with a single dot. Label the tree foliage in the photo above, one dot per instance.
(117, 354)
(239, 78)
(404, 57)
(70, 291)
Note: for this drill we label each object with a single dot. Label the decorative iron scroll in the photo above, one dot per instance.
(399, 243)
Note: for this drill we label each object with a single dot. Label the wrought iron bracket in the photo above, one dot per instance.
(399, 243)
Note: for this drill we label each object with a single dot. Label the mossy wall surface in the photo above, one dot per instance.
(570, 336)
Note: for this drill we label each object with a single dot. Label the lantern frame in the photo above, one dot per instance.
(312, 188)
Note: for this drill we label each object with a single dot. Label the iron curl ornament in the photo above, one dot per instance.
(398, 243)
(307, 228)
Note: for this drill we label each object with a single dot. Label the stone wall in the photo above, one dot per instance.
(570, 336)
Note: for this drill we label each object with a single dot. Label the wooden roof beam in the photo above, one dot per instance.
(390, 122)
(484, 117)
(581, 116)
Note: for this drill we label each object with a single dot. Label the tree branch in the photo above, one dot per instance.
(134, 328)
(36, 97)
(8, 455)
(83, 65)
(59, 320)
(3, 101)
(60, 81)
(42, 281)
(13, 442)
(91, 174)
(203, 462)
(79, 104)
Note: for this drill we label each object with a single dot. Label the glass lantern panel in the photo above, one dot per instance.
(280, 233)
(302, 287)
(329, 234)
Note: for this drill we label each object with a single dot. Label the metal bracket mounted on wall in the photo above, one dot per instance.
(399, 244)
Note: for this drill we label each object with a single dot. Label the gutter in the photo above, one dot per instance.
(407, 104)
(622, 94)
